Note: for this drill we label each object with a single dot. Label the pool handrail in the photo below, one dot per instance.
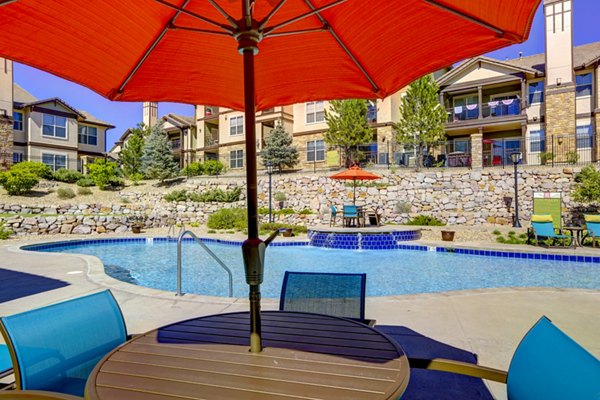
(209, 251)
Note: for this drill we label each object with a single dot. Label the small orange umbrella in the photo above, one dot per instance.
(355, 173)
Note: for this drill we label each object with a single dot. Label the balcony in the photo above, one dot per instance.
(211, 111)
(492, 109)
(175, 144)
(212, 137)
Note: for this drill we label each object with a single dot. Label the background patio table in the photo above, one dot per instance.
(305, 356)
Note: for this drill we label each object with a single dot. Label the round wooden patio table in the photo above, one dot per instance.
(305, 356)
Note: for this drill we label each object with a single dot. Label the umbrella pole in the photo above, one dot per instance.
(253, 249)
(354, 191)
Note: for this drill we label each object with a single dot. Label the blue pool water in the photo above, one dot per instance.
(389, 272)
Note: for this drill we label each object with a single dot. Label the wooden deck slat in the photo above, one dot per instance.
(305, 356)
(274, 371)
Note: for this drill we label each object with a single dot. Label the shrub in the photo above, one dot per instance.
(85, 182)
(104, 173)
(402, 207)
(285, 211)
(65, 193)
(193, 169)
(18, 182)
(176, 195)
(213, 195)
(136, 178)
(279, 196)
(424, 220)
(84, 191)
(572, 157)
(213, 167)
(263, 210)
(545, 157)
(67, 175)
(270, 227)
(305, 211)
(228, 218)
(37, 168)
(4, 232)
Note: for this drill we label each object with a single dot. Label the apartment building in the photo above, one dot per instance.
(544, 106)
(46, 130)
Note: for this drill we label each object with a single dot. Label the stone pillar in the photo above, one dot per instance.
(560, 120)
(6, 141)
(477, 150)
(480, 101)
(150, 114)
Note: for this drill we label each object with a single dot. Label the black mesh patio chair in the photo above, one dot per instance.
(338, 294)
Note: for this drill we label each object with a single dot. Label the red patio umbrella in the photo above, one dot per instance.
(187, 51)
(354, 174)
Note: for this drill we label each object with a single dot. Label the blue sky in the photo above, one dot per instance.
(125, 115)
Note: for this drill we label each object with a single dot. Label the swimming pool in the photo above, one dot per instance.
(153, 263)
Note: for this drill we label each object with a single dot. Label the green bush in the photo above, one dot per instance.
(105, 174)
(193, 169)
(37, 168)
(213, 167)
(84, 191)
(65, 193)
(212, 195)
(228, 218)
(424, 220)
(67, 175)
(268, 228)
(285, 211)
(512, 238)
(85, 182)
(4, 232)
(263, 210)
(136, 178)
(305, 211)
(18, 182)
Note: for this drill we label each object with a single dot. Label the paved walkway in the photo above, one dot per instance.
(488, 322)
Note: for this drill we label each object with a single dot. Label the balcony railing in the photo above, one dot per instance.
(492, 109)
(175, 144)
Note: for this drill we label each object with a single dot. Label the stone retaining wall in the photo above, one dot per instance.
(457, 197)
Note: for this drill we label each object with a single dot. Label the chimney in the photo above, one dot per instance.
(150, 115)
(559, 41)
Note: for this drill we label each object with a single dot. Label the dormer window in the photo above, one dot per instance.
(87, 135)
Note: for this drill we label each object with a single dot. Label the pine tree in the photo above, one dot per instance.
(157, 160)
(131, 154)
(279, 150)
(348, 127)
(422, 118)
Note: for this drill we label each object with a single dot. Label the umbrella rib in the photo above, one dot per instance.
(197, 16)
(151, 48)
(7, 2)
(228, 17)
(264, 22)
(315, 11)
(297, 32)
(458, 13)
(345, 48)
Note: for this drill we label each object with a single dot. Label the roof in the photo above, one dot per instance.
(471, 61)
(583, 56)
(52, 100)
(21, 95)
(180, 121)
(89, 118)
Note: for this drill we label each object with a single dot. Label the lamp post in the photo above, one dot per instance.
(516, 157)
(270, 172)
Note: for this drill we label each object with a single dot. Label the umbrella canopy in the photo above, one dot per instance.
(187, 51)
(354, 174)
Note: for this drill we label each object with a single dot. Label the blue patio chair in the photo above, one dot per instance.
(55, 348)
(341, 295)
(543, 228)
(333, 215)
(592, 226)
(547, 365)
(350, 214)
(5, 362)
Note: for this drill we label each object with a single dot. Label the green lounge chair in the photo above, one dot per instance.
(54, 348)
(546, 365)
(543, 228)
(592, 226)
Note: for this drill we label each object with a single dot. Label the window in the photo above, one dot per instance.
(18, 121)
(461, 146)
(87, 135)
(584, 85)
(314, 112)
(537, 141)
(54, 161)
(536, 92)
(236, 159)
(466, 107)
(315, 151)
(54, 126)
(584, 137)
(17, 157)
(236, 125)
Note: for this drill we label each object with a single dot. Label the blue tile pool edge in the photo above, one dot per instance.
(439, 249)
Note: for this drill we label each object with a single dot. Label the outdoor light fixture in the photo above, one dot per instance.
(270, 172)
(516, 158)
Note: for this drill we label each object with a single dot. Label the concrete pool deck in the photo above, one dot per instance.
(489, 322)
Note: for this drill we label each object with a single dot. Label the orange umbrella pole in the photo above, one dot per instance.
(253, 249)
